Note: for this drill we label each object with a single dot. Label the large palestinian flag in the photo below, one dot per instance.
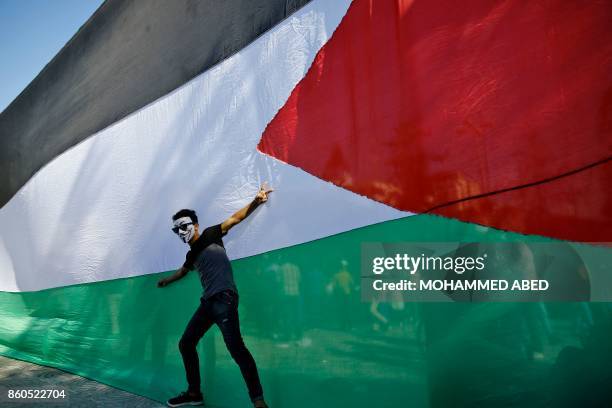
(373, 121)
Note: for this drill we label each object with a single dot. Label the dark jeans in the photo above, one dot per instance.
(222, 310)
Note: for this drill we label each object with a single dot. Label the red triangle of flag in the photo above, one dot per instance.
(498, 113)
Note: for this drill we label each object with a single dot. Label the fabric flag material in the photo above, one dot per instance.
(195, 148)
(373, 121)
(498, 114)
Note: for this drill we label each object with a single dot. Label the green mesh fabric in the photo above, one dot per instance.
(316, 343)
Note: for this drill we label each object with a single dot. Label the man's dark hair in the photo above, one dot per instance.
(186, 213)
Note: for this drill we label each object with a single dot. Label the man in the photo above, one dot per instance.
(218, 304)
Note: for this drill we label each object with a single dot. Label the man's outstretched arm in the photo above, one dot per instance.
(238, 216)
(176, 276)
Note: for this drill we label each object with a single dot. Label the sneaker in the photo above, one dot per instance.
(184, 398)
(260, 404)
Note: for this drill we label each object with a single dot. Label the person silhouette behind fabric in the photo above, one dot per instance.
(219, 302)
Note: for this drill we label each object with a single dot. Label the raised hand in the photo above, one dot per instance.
(262, 194)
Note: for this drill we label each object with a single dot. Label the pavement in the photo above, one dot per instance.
(79, 391)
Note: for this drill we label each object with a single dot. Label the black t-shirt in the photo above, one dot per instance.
(208, 255)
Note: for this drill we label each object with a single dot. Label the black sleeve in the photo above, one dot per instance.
(214, 233)
(188, 260)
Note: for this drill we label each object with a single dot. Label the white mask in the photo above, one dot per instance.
(185, 229)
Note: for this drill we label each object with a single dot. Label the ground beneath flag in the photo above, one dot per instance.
(80, 392)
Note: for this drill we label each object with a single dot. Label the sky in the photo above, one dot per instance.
(31, 33)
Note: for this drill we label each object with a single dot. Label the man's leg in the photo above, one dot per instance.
(226, 317)
(197, 326)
